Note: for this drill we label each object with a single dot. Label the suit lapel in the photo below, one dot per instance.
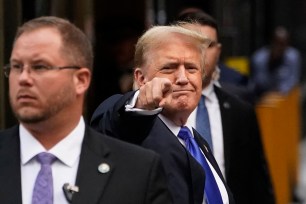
(208, 153)
(91, 180)
(10, 176)
(226, 118)
(196, 175)
(197, 184)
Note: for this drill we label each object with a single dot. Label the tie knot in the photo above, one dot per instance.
(45, 158)
(184, 133)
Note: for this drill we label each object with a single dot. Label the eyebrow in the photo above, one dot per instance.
(176, 63)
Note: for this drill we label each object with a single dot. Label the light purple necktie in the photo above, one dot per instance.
(43, 188)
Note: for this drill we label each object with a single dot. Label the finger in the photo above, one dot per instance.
(150, 95)
(167, 93)
(160, 90)
(145, 98)
(141, 99)
(166, 88)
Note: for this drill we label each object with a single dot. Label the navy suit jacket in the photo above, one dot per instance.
(246, 169)
(135, 177)
(185, 175)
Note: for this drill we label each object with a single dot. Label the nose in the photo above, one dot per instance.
(25, 75)
(24, 71)
(181, 77)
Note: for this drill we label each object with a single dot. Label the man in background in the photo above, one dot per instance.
(231, 126)
(276, 67)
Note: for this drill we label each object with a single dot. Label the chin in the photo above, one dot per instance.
(29, 116)
(182, 105)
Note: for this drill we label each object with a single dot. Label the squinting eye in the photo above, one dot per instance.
(167, 69)
(16, 66)
(191, 68)
(40, 67)
(213, 44)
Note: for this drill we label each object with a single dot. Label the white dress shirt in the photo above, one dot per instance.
(64, 169)
(213, 108)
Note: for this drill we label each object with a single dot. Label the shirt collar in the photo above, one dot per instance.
(173, 127)
(67, 150)
(208, 91)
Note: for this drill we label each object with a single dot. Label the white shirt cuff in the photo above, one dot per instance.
(129, 107)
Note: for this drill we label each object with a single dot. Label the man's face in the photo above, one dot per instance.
(180, 61)
(212, 53)
(37, 96)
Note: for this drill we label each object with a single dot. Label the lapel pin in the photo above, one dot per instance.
(226, 105)
(206, 148)
(103, 168)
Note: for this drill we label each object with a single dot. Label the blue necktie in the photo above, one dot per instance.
(213, 195)
(43, 188)
(202, 122)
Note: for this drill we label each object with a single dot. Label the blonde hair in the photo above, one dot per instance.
(157, 35)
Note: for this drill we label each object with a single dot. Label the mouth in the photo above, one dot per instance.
(182, 91)
(25, 97)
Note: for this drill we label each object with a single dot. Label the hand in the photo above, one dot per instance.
(154, 94)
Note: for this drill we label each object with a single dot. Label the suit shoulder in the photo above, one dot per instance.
(8, 133)
(114, 102)
(104, 107)
(233, 99)
(119, 145)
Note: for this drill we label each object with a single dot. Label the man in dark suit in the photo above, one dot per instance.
(169, 70)
(235, 135)
(52, 156)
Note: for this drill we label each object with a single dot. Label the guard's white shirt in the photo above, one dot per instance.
(64, 169)
(213, 108)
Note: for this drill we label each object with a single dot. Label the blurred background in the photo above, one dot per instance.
(245, 26)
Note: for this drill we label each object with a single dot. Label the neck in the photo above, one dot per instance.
(205, 83)
(52, 131)
(179, 119)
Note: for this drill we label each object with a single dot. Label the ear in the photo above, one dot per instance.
(219, 47)
(82, 78)
(139, 77)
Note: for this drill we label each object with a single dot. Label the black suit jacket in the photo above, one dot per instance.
(135, 174)
(185, 175)
(246, 170)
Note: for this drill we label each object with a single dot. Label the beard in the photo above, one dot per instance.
(54, 105)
